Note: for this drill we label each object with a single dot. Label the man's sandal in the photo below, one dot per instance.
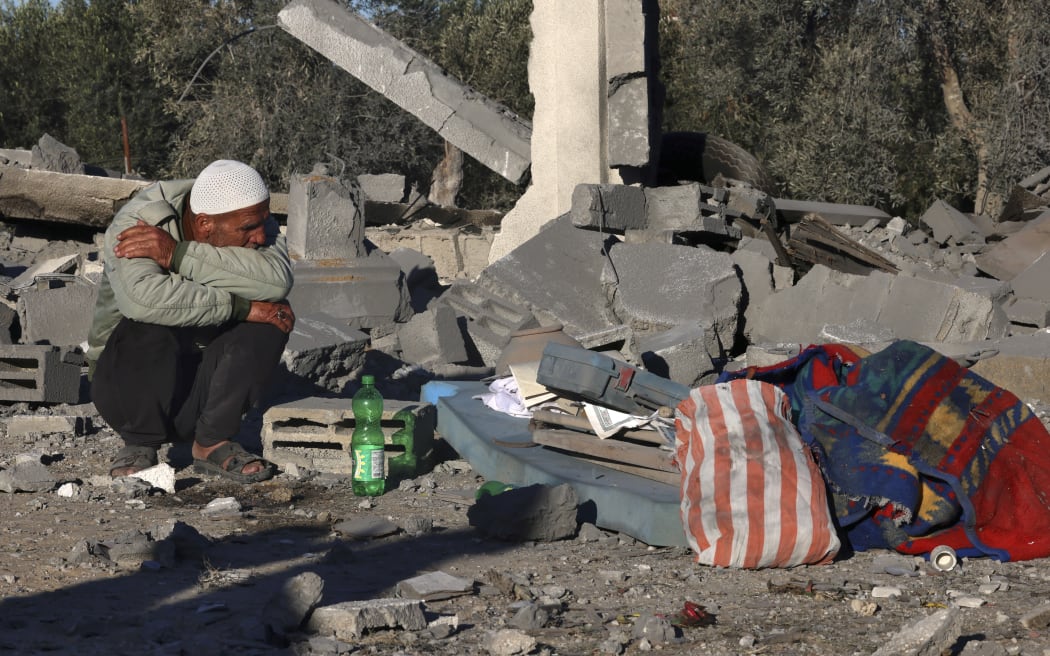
(133, 457)
(238, 460)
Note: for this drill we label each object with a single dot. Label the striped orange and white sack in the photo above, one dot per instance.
(752, 495)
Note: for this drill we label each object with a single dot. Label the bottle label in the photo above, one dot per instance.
(369, 463)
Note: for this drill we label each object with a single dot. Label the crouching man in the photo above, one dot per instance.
(191, 319)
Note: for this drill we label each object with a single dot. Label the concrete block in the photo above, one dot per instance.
(949, 225)
(696, 286)
(1034, 281)
(960, 311)
(37, 373)
(419, 269)
(349, 620)
(25, 425)
(363, 292)
(489, 132)
(609, 207)
(324, 350)
(383, 187)
(1011, 256)
(634, 97)
(315, 433)
(928, 635)
(60, 315)
(1021, 364)
(557, 276)
(913, 308)
(16, 157)
(756, 270)
(1028, 312)
(326, 217)
(432, 337)
(679, 354)
(488, 319)
(792, 211)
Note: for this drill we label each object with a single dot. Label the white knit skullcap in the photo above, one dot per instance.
(224, 186)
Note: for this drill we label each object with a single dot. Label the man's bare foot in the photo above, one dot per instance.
(202, 452)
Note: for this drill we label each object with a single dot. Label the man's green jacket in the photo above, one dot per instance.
(206, 286)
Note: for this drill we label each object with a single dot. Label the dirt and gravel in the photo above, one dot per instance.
(71, 584)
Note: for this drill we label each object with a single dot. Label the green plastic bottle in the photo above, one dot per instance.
(366, 442)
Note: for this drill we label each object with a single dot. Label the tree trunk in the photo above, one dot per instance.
(447, 178)
(955, 104)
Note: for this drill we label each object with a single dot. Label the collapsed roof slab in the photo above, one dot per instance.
(483, 129)
(86, 200)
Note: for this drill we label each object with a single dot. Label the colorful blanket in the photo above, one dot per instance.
(918, 451)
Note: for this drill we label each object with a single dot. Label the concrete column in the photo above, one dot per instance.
(567, 75)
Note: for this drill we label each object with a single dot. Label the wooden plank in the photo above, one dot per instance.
(674, 479)
(610, 449)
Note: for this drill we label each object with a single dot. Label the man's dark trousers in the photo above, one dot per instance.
(155, 384)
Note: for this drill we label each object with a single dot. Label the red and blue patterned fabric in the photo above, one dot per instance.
(918, 451)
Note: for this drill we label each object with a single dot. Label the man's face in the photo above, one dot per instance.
(244, 227)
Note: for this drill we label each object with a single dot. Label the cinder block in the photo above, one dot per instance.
(383, 187)
(679, 354)
(490, 320)
(30, 372)
(315, 433)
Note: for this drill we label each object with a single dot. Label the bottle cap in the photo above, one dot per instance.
(368, 379)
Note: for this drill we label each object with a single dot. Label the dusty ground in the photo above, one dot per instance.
(599, 588)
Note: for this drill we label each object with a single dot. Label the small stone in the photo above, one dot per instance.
(510, 642)
(68, 490)
(885, 591)
(864, 608)
(968, 601)
(160, 476)
(287, 609)
(433, 586)
(221, 508)
(1037, 619)
(363, 528)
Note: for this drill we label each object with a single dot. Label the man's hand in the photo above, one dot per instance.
(144, 240)
(277, 314)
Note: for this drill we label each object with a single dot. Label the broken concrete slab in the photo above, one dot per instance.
(1019, 363)
(696, 286)
(792, 211)
(285, 612)
(1017, 252)
(926, 636)
(434, 586)
(483, 129)
(458, 253)
(489, 319)
(557, 276)
(47, 196)
(324, 351)
(363, 292)
(912, 308)
(634, 96)
(949, 225)
(30, 372)
(1034, 281)
(1027, 312)
(431, 337)
(27, 476)
(349, 620)
(25, 425)
(16, 157)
